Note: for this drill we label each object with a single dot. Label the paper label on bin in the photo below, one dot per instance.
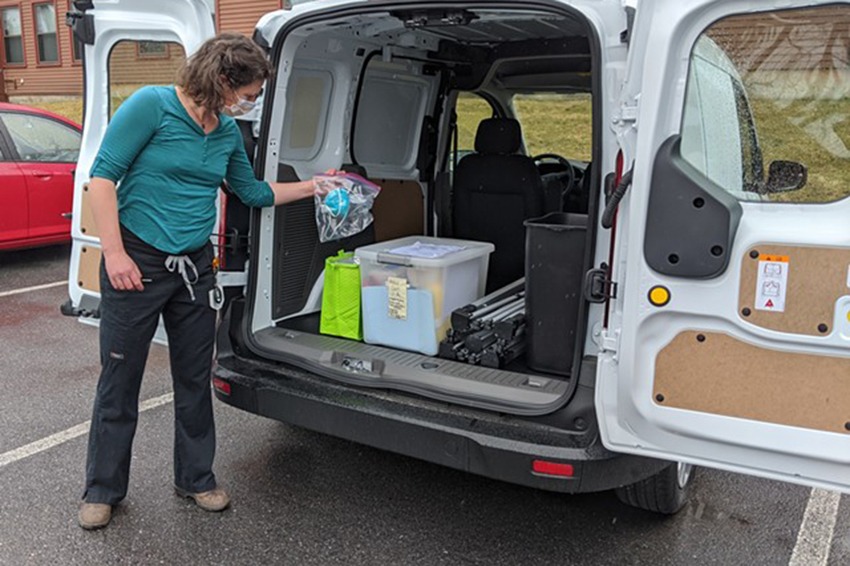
(397, 298)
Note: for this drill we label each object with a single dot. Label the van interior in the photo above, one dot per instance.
(478, 125)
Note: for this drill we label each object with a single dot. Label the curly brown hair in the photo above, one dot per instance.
(232, 56)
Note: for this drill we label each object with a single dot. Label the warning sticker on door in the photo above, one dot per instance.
(772, 283)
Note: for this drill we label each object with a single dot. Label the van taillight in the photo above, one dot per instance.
(221, 386)
(556, 469)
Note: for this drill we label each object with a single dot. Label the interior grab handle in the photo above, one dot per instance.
(614, 199)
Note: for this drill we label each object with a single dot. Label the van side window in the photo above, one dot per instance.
(391, 106)
(561, 124)
(471, 110)
(767, 112)
(307, 103)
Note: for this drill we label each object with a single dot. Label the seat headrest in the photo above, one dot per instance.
(498, 136)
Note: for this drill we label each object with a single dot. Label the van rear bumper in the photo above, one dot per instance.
(488, 444)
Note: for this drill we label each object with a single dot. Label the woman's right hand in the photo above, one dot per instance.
(124, 274)
(321, 189)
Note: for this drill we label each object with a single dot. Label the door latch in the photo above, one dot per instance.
(598, 286)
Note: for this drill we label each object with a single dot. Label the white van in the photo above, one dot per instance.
(663, 189)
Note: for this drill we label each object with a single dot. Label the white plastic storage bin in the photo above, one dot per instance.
(410, 286)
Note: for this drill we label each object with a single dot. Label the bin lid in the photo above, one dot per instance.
(559, 221)
(424, 251)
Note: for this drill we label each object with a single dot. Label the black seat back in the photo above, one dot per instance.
(495, 190)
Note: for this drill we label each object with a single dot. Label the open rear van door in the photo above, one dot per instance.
(728, 344)
(126, 44)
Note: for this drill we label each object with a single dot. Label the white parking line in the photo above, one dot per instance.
(69, 434)
(815, 537)
(34, 288)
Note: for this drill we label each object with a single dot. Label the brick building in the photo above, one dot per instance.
(38, 55)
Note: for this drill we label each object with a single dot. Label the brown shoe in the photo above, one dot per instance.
(94, 515)
(212, 500)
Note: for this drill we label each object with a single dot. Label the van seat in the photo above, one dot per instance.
(495, 190)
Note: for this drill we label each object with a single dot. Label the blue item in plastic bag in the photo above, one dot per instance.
(337, 202)
(346, 207)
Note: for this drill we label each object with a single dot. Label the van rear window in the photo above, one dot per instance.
(767, 112)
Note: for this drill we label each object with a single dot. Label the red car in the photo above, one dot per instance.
(38, 155)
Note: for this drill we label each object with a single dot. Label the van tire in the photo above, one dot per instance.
(666, 492)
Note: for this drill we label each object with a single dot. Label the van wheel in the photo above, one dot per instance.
(666, 492)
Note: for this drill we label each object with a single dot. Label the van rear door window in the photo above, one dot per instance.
(767, 112)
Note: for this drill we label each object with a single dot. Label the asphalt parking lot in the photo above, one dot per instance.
(305, 498)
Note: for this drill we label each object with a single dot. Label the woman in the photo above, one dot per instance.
(170, 147)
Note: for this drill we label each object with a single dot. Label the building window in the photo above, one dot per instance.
(12, 36)
(152, 50)
(45, 31)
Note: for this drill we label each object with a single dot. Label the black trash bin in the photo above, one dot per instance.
(554, 275)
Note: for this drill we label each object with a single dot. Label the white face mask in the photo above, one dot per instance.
(240, 108)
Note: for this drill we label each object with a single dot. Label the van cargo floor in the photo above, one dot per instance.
(436, 378)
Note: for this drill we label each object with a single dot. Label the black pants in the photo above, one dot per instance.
(128, 320)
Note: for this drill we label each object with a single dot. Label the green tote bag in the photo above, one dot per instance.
(341, 297)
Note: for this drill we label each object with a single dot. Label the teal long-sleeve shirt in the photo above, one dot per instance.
(170, 171)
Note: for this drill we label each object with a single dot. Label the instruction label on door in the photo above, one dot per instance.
(772, 283)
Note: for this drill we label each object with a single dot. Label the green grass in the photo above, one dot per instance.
(814, 132)
(72, 107)
(550, 124)
(558, 124)
(811, 131)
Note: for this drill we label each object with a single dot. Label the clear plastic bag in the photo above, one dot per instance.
(346, 207)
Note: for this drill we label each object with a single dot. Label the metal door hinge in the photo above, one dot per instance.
(233, 241)
(626, 34)
(81, 23)
(626, 114)
(611, 342)
(232, 278)
(89, 307)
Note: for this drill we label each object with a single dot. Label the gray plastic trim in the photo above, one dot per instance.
(691, 222)
(377, 366)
